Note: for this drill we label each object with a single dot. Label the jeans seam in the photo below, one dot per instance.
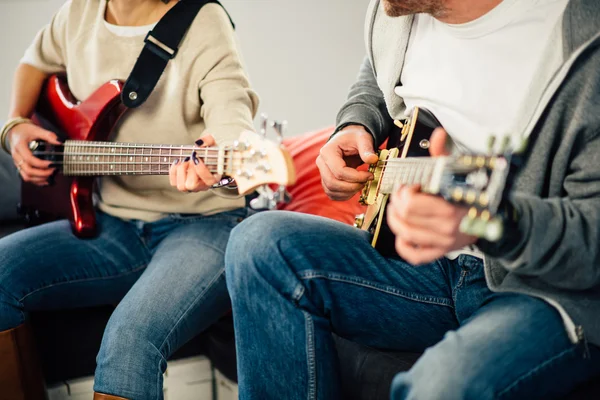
(389, 290)
(534, 371)
(310, 355)
(135, 269)
(459, 284)
(200, 296)
(159, 389)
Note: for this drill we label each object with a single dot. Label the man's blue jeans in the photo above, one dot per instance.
(167, 278)
(294, 279)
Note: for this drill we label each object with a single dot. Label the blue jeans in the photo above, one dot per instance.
(167, 278)
(294, 279)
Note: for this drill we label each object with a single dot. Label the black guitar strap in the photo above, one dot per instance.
(162, 44)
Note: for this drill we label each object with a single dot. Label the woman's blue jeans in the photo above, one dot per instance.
(167, 278)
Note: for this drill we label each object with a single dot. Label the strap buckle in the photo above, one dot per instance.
(159, 48)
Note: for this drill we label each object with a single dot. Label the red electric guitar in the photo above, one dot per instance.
(85, 127)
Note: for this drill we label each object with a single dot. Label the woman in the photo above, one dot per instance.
(159, 252)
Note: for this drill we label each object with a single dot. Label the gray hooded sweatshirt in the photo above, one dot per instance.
(552, 249)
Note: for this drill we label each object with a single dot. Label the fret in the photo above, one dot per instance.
(407, 171)
(137, 159)
(230, 169)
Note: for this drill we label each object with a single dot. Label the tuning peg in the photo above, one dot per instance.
(491, 143)
(471, 197)
(472, 214)
(457, 194)
(264, 122)
(240, 146)
(282, 195)
(280, 128)
(359, 221)
(262, 203)
(505, 146)
(493, 230)
(484, 200)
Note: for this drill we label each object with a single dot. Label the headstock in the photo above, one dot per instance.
(258, 162)
(477, 182)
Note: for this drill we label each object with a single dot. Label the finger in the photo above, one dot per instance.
(331, 184)
(49, 137)
(206, 140)
(203, 172)
(193, 182)
(173, 173)
(417, 235)
(34, 180)
(333, 157)
(418, 255)
(412, 203)
(438, 141)
(21, 152)
(337, 196)
(36, 173)
(364, 141)
(182, 169)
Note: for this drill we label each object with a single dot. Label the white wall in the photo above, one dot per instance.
(302, 55)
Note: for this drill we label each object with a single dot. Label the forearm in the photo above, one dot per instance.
(366, 106)
(27, 85)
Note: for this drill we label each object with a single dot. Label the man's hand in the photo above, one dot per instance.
(339, 158)
(426, 226)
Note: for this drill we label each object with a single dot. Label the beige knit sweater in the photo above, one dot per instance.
(203, 90)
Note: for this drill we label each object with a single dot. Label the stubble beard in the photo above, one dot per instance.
(399, 8)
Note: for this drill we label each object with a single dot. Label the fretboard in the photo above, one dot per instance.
(81, 158)
(409, 171)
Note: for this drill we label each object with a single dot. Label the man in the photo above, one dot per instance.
(517, 318)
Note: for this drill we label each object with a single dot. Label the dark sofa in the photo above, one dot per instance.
(69, 340)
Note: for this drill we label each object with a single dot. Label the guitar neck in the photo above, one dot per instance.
(424, 171)
(82, 158)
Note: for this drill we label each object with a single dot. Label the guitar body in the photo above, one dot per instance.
(411, 140)
(91, 120)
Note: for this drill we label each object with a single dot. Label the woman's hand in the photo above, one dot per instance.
(190, 174)
(31, 168)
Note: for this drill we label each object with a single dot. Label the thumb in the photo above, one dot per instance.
(364, 143)
(438, 143)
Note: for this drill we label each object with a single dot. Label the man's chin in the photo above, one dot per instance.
(395, 10)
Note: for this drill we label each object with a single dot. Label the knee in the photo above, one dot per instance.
(441, 380)
(128, 341)
(255, 251)
(255, 240)
(11, 309)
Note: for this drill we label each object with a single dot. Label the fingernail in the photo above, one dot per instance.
(199, 142)
(176, 162)
(194, 158)
(186, 159)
